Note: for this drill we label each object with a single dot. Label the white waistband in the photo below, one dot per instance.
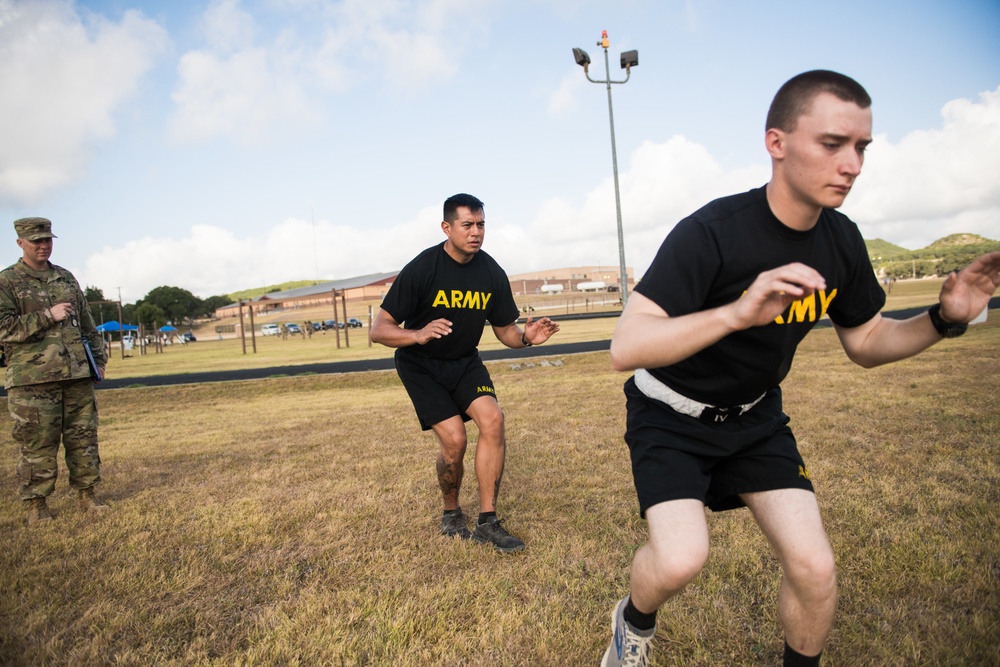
(653, 388)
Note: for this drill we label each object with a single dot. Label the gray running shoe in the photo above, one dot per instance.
(629, 647)
(453, 525)
(493, 532)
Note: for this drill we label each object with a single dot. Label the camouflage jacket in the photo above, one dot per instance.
(39, 349)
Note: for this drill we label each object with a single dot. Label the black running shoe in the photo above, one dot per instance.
(453, 525)
(494, 533)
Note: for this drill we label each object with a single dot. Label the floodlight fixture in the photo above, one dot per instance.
(628, 60)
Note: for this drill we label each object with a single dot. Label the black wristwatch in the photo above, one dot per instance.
(525, 342)
(946, 329)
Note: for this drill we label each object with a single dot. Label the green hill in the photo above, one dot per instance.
(260, 291)
(957, 240)
(947, 254)
(883, 250)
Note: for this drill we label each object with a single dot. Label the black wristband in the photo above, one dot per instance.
(524, 340)
(946, 329)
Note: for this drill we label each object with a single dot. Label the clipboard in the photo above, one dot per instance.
(91, 363)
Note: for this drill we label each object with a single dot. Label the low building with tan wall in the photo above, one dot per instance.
(374, 286)
(570, 278)
(362, 288)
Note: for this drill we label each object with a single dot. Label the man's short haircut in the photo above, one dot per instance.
(455, 202)
(795, 98)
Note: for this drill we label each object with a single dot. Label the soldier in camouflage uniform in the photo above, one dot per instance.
(44, 318)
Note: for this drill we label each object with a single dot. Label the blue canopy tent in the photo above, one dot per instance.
(171, 332)
(114, 326)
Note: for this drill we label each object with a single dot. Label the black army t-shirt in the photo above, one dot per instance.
(434, 286)
(710, 258)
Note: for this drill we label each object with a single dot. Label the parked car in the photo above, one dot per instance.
(294, 328)
(317, 326)
(354, 322)
(333, 324)
(189, 337)
(270, 330)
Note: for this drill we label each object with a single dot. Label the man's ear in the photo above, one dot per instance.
(774, 142)
(446, 228)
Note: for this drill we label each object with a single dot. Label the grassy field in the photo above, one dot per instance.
(293, 521)
(211, 354)
(227, 354)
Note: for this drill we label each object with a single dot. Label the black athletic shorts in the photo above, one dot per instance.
(441, 389)
(676, 456)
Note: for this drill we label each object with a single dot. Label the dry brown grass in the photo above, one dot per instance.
(294, 521)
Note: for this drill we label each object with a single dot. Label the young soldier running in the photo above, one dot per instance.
(434, 315)
(710, 333)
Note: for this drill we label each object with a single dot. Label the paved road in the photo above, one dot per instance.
(359, 365)
(548, 350)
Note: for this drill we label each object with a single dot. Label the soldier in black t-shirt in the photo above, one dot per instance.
(434, 315)
(710, 333)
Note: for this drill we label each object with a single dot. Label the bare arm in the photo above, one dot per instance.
(963, 296)
(882, 340)
(646, 337)
(387, 331)
(535, 332)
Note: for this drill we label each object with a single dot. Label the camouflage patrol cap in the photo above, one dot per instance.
(34, 229)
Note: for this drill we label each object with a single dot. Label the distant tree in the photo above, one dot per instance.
(128, 314)
(151, 316)
(213, 303)
(177, 304)
(102, 312)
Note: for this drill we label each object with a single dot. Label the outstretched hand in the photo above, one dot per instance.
(772, 292)
(438, 328)
(538, 331)
(965, 294)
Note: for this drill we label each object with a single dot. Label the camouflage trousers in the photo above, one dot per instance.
(44, 413)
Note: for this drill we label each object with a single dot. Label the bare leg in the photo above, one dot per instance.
(450, 462)
(808, 598)
(491, 450)
(674, 554)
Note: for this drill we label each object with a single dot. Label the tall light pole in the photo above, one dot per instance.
(628, 60)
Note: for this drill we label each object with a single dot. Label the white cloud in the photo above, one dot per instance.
(62, 81)
(931, 184)
(241, 96)
(236, 88)
(662, 183)
(210, 260)
(934, 182)
(227, 27)
(243, 84)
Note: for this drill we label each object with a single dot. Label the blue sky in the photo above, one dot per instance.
(227, 144)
